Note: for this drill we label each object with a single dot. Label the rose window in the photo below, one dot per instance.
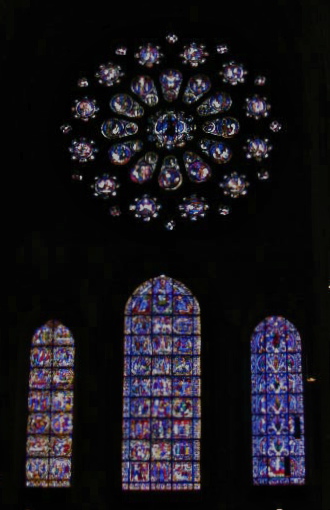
(171, 132)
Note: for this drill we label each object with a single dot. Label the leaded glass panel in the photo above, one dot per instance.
(278, 443)
(162, 388)
(50, 407)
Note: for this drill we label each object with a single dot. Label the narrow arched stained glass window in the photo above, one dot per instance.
(50, 407)
(162, 388)
(278, 444)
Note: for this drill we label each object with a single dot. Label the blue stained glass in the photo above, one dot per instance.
(161, 407)
(197, 169)
(162, 303)
(278, 444)
(37, 446)
(170, 177)
(161, 390)
(50, 406)
(227, 127)
(139, 450)
(233, 73)
(170, 81)
(183, 345)
(144, 87)
(39, 401)
(161, 386)
(62, 401)
(161, 450)
(161, 429)
(148, 55)
(61, 446)
(121, 153)
(141, 365)
(257, 107)
(161, 344)
(118, 128)
(161, 365)
(194, 54)
(140, 386)
(141, 305)
(41, 357)
(62, 423)
(141, 325)
(140, 407)
(170, 128)
(40, 378)
(197, 87)
(182, 365)
(218, 103)
(125, 105)
(141, 344)
(38, 423)
(144, 169)
(161, 325)
(218, 151)
(140, 429)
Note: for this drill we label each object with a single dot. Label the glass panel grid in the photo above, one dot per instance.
(50, 407)
(161, 404)
(278, 444)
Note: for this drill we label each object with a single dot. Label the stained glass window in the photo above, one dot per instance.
(162, 388)
(278, 444)
(172, 129)
(50, 407)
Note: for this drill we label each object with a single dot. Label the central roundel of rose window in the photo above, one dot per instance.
(192, 135)
(171, 129)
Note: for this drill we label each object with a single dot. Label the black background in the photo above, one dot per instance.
(65, 260)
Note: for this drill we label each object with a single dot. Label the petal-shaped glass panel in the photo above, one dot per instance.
(121, 153)
(144, 169)
(124, 104)
(170, 81)
(218, 151)
(170, 177)
(118, 128)
(144, 87)
(219, 102)
(227, 127)
(197, 86)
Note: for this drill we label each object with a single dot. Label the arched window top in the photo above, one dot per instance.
(52, 333)
(162, 295)
(50, 407)
(275, 334)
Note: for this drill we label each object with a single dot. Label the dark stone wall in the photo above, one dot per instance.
(62, 260)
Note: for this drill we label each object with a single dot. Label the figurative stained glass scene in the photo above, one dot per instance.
(161, 388)
(170, 129)
(50, 407)
(278, 443)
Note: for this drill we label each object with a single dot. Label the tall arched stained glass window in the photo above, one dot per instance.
(161, 390)
(50, 407)
(278, 444)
